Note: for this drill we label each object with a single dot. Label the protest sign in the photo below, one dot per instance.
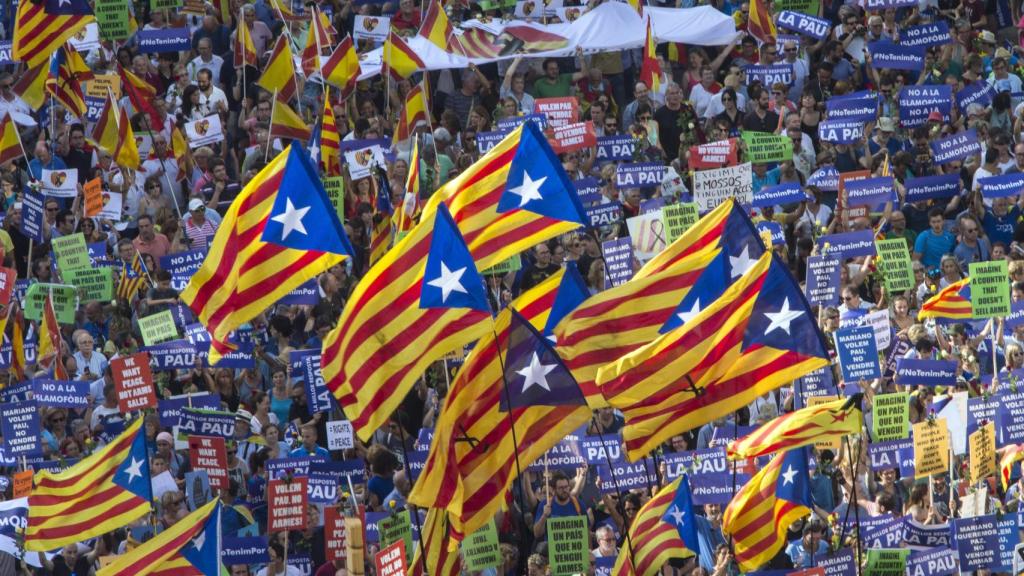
(480, 549)
(641, 175)
(929, 187)
(334, 533)
(339, 435)
(60, 393)
(856, 107)
(977, 542)
(21, 484)
(62, 296)
(32, 215)
(712, 187)
(510, 123)
(858, 353)
(374, 28)
(568, 540)
(771, 233)
(286, 504)
(840, 131)
(182, 266)
(396, 527)
(982, 449)
(848, 244)
(169, 409)
(788, 193)
(894, 262)
(94, 283)
(134, 382)
(647, 234)
(112, 206)
(318, 397)
(822, 280)
(770, 75)
(932, 562)
(802, 6)
(604, 214)
(887, 54)
(204, 131)
(892, 416)
(990, 289)
(804, 24)
(979, 92)
(931, 34)
(158, 328)
(918, 102)
(713, 154)
(897, 454)
(624, 476)
(611, 148)
(920, 372)
(883, 562)
(165, 40)
(206, 423)
(1002, 185)
(678, 218)
(60, 183)
(575, 136)
(618, 257)
(955, 147)
(872, 192)
(8, 278)
(391, 560)
(362, 162)
(20, 428)
(767, 147)
(208, 453)
(71, 252)
(113, 19)
(931, 447)
(558, 111)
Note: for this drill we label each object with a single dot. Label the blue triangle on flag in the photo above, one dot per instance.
(451, 279)
(794, 483)
(538, 183)
(680, 514)
(534, 372)
(782, 318)
(572, 291)
(203, 551)
(67, 7)
(303, 216)
(133, 473)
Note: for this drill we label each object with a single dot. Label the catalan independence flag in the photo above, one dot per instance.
(471, 478)
(65, 79)
(190, 547)
(134, 278)
(953, 301)
(759, 335)
(42, 26)
(1008, 456)
(102, 492)
(513, 198)
(652, 540)
(621, 319)
(439, 558)
(762, 511)
(808, 425)
(280, 231)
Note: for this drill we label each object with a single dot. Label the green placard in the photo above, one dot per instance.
(394, 528)
(63, 301)
(480, 550)
(803, 6)
(71, 252)
(892, 416)
(677, 219)
(112, 17)
(157, 328)
(496, 4)
(894, 262)
(568, 550)
(990, 289)
(335, 187)
(886, 562)
(93, 283)
(505, 266)
(766, 147)
(164, 4)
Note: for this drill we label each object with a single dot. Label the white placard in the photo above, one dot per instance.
(111, 206)
(60, 183)
(371, 28)
(712, 187)
(204, 131)
(87, 38)
(879, 322)
(360, 162)
(647, 232)
(339, 435)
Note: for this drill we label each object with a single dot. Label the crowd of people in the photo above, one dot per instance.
(702, 94)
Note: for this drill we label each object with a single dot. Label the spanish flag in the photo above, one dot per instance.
(1008, 456)
(414, 113)
(113, 133)
(330, 143)
(406, 214)
(399, 59)
(318, 39)
(953, 301)
(279, 74)
(286, 123)
(31, 86)
(10, 141)
(761, 25)
(341, 68)
(652, 540)
(182, 153)
(50, 342)
(190, 546)
(805, 426)
(436, 27)
(650, 70)
(440, 558)
(245, 50)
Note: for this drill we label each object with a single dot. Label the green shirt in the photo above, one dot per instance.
(545, 88)
(427, 174)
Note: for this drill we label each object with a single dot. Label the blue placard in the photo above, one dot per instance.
(932, 34)
(240, 358)
(977, 542)
(839, 564)
(625, 476)
(856, 107)
(60, 393)
(858, 353)
(588, 190)
(915, 372)
(13, 516)
(841, 131)
(640, 175)
(825, 178)
(326, 476)
(921, 536)
(17, 392)
(244, 550)
(774, 230)
(941, 562)
(955, 147)
(5, 53)
(566, 455)
(1010, 414)
(191, 421)
(822, 285)
(614, 148)
(821, 382)
(513, 122)
(417, 462)
(604, 214)
(768, 76)
(166, 40)
(981, 409)
(182, 266)
(318, 397)
(893, 454)
(870, 191)
(598, 452)
(804, 24)
(485, 141)
(93, 107)
(979, 92)
(169, 409)
(32, 215)
(20, 427)
(849, 244)
(873, 5)
(307, 294)
(603, 565)
(788, 193)
(928, 187)
(618, 257)
(296, 466)
(918, 102)
(1002, 186)
(881, 531)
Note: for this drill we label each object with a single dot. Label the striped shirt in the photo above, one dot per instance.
(200, 236)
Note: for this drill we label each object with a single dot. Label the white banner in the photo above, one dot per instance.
(371, 28)
(361, 162)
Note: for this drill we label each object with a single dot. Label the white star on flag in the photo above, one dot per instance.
(529, 189)
(448, 281)
(135, 470)
(199, 540)
(788, 475)
(686, 316)
(535, 374)
(740, 264)
(291, 218)
(677, 515)
(783, 318)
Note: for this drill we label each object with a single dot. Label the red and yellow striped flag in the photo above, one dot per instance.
(279, 73)
(414, 113)
(18, 345)
(341, 68)
(1008, 456)
(10, 140)
(50, 342)
(286, 123)
(164, 554)
(399, 59)
(805, 426)
(760, 23)
(318, 40)
(113, 134)
(953, 301)
(182, 153)
(31, 86)
(42, 27)
(436, 27)
(330, 143)
(244, 49)
(650, 70)
(441, 559)
(652, 541)
(65, 79)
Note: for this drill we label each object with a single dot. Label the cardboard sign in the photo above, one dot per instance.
(575, 136)
(931, 448)
(334, 533)
(93, 197)
(286, 505)
(892, 417)
(712, 187)
(568, 539)
(157, 328)
(8, 276)
(480, 550)
(822, 280)
(208, 453)
(618, 256)
(22, 483)
(858, 353)
(113, 19)
(396, 529)
(391, 560)
(982, 453)
(204, 131)
(678, 218)
(134, 382)
(714, 154)
(886, 562)
(71, 252)
(559, 111)
(93, 283)
(766, 147)
(373, 28)
(990, 289)
(339, 435)
(20, 428)
(894, 262)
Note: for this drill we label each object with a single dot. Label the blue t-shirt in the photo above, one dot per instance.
(933, 247)
(1000, 228)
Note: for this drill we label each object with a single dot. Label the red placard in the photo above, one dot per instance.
(816, 571)
(334, 533)
(134, 382)
(573, 137)
(854, 211)
(7, 278)
(713, 155)
(208, 453)
(286, 504)
(391, 560)
(560, 111)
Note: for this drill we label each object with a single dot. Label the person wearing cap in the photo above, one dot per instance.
(884, 138)
(198, 229)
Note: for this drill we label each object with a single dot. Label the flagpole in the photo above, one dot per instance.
(315, 30)
(621, 506)
(288, 34)
(270, 130)
(408, 470)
